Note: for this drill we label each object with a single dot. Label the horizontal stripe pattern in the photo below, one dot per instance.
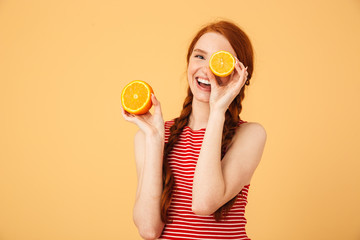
(184, 224)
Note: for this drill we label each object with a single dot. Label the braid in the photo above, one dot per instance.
(175, 131)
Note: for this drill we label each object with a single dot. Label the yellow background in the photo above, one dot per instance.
(67, 167)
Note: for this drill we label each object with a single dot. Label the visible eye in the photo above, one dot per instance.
(199, 56)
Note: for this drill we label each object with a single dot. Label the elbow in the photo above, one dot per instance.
(201, 208)
(149, 230)
(149, 234)
(149, 226)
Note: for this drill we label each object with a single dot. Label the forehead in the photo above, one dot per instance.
(212, 42)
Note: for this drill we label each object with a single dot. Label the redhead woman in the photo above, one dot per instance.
(194, 171)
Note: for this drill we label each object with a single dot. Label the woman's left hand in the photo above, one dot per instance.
(224, 92)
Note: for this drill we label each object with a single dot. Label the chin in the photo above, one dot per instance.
(203, 99)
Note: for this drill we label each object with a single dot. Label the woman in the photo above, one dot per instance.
(194, 172)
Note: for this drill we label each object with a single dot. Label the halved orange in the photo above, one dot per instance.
(136, 97)
(222, 63)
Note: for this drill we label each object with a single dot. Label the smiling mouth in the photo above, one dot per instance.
(204, 83)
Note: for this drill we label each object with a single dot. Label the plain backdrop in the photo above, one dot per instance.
(67, 168)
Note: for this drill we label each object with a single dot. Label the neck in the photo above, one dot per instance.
(199, 115)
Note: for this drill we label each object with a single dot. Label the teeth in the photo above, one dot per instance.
(203, 81)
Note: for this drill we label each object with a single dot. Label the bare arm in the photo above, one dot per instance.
(146, 212)
(149, 145)
(217, 181)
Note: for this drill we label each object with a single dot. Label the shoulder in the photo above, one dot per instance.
(249, 133)
(245, 152)
(252, 127)
(167, 126)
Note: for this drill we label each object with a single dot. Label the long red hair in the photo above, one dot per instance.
(243, 49)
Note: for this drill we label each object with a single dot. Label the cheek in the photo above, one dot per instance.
(188, 76)
(190, 71)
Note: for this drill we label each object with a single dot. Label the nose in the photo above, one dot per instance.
(204, 70)
(205, 67)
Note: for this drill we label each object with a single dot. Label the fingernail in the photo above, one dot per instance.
(153, 95)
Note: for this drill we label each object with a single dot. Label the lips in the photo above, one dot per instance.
(203, 83)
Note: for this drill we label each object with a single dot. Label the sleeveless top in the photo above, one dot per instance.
(185, 224)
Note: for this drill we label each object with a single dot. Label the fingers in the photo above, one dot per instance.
(242, 70)
(155, 102)
(239, 64)
(123, 112)
(126, 115)
(139, 120)
(157, 106)
(147, 122)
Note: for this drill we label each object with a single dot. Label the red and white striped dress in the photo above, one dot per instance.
(184, 224)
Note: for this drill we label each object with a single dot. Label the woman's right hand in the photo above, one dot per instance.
(151, 124)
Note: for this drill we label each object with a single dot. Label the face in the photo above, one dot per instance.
(207, 44)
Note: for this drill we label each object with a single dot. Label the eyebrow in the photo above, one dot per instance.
(200, 50)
